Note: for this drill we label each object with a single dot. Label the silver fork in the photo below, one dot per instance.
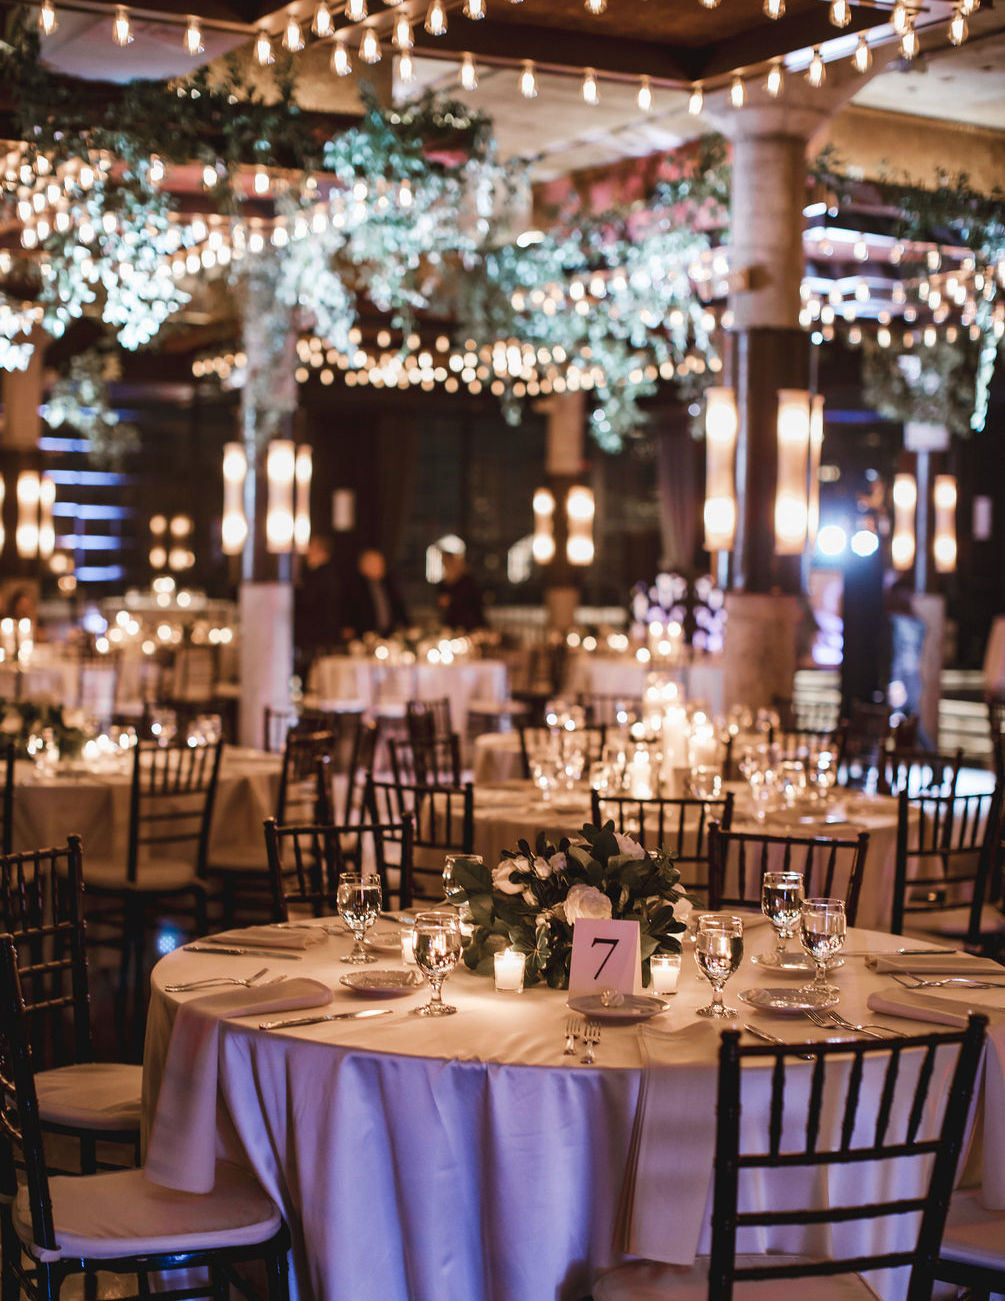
(571, 1035)
(209, 981)
(833, 1020)
(591, 1037)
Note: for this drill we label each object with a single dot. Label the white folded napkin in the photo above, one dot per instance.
(271, 937)
(948, 1005)
(182, 1151)
(936, 964)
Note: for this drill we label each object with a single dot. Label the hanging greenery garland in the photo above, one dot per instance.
(80, 399)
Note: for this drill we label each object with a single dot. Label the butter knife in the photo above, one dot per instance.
(250, 953)
(331, 1016)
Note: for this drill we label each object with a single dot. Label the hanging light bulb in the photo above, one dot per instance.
(775, 79)
(209, 176)
(774, 8)
(840, 13)
(968, 7)
(403, 32)
(474, 9)
(322, 24)
(261, 181)
(155, 171)
(958, 30)
(436, 19)
(696, 100)
(355, 10)
(341, 65)
(528, 80)
(816, 73)
(406, 68)
(263, 50)
(862, 58)
(900, 17)
(595, 7)
(369, 46)
(591, 92)
(468, 75)
(122, 32)
(909, 42)
(293, 37)
(193, 38)
(709, 4)
(644, 98)
(737, 91)
(47, 22)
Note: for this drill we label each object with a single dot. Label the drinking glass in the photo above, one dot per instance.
(823, 772)
(437, 951)
(762, 784)
(358, 900)
(718, 952)
(792, 781)
(822, 929)
(450, 886)
(544, 774)
(706, 782)
(781, 900)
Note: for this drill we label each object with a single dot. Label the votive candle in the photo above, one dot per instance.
(509, 967)
(665, 972)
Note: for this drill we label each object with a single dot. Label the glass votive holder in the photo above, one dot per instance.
(408, 947)
(508, 966)
(664, 972)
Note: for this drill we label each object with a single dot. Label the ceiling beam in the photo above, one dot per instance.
(773, 39)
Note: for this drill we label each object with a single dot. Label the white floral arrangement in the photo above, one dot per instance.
(531, 900)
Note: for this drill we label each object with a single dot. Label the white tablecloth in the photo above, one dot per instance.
(95, 806)
(468, 1157)
(343, 679)
(614, 675)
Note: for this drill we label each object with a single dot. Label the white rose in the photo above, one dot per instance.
(629, 846)
(558, 862)
(529, 896)
(502, 873)
(543, 867)
(682, 910)
(11, 722)
(586, 901)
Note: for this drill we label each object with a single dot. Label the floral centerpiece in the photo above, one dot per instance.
(532, 899)
(22, 719)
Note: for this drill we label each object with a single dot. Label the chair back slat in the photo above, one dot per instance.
(428, 720)
(430, 761)
(681, 825)
(443, 823)
(296, 799)
(7, 799)
(851, 1104)
(885, 1109)
(815, 1108)
(171, 801)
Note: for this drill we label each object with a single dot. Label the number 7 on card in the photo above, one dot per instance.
(605, 955)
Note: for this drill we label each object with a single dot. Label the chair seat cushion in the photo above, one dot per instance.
(123, 1213)
(974, 1235)
(647, 1280)
(91, 1095)
(155, 876)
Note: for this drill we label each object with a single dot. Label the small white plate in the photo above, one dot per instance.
(789, 1000)
(382, 984)
(636, 1007)
(793, 964)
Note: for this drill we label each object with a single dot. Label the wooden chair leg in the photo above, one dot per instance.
(278, 1276)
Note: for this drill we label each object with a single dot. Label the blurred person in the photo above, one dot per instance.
(372, 601)
(459, 595)
(315, 603)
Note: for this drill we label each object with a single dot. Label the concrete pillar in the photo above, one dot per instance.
(759, 657)
(563, 464)
(931, 608)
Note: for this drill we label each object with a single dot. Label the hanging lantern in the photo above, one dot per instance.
(721, 424)
(579, 511)
(234, 526)
(543, 546)
(793, 433)
(944, 535)
(905, 501)
(280, 469)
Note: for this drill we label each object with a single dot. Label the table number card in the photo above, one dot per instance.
(605, 955)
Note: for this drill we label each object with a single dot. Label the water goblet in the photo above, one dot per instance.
(823, 772)
(822, 929)
(437, 952)
(450, 863)
(718, 953)
(164, 726)
(792, 781)
(781, 899)
(762, 783)
(544, 777)
(358, 900)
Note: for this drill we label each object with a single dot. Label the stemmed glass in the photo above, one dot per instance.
(358, 900)
(450, 886)
(437, 951)
(781, 900)
(718, 953)
(822, 929)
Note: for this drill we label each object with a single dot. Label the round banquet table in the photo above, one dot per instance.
(94, 804)
(507, 811)
(366, 682)
(468, 1156)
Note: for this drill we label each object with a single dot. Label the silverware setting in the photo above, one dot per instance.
(831, 1020)
(571, 1035)
(235, 952)
(330, 1016)
(591, 1037)
(769, 1038)
(208, 982)
(910, 981)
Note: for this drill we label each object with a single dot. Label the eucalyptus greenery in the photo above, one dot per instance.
(927, 385)
(80, 399)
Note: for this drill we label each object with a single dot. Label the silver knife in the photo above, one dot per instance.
(332, 1016)
(250, 953)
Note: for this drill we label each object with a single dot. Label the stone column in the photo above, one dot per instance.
(563, 464)
(265, 597)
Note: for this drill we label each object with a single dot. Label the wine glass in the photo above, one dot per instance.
(822, 929)
(823, 772)
(781, 899)
(718, 953)
(358, 900)
(437, 951)
(450, 886)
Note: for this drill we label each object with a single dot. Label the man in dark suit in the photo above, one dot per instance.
(372, 602)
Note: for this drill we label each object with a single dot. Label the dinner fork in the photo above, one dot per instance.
(833, 1020)
(571, 1035)
(209, 981)
(591, 1037)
